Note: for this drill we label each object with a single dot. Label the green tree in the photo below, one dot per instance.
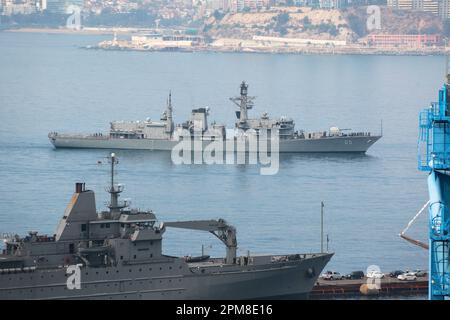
(306, 22)
(282, 18)
(218, 15)
(357, 24)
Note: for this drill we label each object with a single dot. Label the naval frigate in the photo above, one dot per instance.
(117, 254)
(165, 135)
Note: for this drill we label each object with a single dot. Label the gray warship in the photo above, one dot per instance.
(164, 135)
(117, 254)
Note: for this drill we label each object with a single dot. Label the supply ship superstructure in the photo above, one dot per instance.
(117, 254)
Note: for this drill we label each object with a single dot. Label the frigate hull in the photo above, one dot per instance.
(172, 280)
(358, 144)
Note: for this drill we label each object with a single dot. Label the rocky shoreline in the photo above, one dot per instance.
(347, 50)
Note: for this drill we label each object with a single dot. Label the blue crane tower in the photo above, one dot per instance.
(434, 157)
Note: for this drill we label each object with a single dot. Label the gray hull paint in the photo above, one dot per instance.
(329, 144)
(176, 280)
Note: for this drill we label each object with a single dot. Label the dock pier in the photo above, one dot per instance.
(326, 289)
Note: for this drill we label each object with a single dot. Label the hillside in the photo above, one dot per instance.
(394, 22)
(293, 22)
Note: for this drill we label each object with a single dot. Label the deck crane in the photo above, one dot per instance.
(220, 228)
(434, 157)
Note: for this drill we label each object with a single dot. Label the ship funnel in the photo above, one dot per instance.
(79, 187)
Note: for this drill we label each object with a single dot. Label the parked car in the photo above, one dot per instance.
(331, 275)
(375, 275)
(396, 273)
(420, 273)
(355, 275)
(409, 276)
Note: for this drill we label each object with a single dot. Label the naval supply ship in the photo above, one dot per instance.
(165, 135)
(117, 254)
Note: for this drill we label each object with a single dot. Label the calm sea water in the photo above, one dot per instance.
(47, 83)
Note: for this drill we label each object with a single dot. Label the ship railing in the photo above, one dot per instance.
(287, 257)
(434, 111)
(434, 108)
(93, 136)
(436, 160)
(324, 134)
(39, 238)
(7, 236)
(17, 270)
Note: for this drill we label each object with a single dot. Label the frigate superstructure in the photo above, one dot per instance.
(117, 254)
(165, 135)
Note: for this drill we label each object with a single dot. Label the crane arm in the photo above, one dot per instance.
(225, 232)
(202, 225)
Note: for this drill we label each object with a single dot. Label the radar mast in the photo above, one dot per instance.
(169, 121)
(115, 189)
(245, 103)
